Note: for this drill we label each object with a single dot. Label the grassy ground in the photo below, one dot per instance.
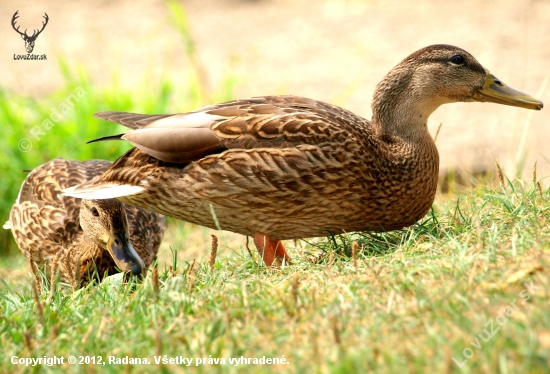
(465, 290)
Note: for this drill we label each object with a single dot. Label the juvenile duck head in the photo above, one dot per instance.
(433, 76)
(104, 222)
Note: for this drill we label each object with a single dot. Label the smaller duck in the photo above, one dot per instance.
(79, 236)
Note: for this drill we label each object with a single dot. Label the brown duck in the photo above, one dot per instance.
(286, 167)
(81, 235)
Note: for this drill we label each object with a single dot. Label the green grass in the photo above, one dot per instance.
(417, 299)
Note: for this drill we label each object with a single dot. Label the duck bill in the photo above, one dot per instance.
(495, 91)
(124, 254)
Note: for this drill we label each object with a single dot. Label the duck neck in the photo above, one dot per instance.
(401, 108)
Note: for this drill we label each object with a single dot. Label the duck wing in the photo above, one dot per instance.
(262, 122)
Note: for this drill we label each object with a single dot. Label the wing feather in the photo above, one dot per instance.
(262, 122)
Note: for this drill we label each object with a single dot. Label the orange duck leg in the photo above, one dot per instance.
(272, 251)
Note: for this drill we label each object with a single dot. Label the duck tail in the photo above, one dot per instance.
(132, 121)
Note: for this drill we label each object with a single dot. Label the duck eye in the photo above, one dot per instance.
(94, 212)
(457, 60)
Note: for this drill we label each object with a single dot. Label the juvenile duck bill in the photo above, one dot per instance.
(124, 254)
(495, 91)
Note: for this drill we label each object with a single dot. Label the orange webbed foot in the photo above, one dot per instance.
(272, 251)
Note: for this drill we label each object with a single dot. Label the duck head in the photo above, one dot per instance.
(104, 222)
(437, 75)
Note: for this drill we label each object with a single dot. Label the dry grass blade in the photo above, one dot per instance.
(500, 176)
(295, 287)
(155, 280)
(55, 332)
(449, 366)
(248, 248)
(472, 274)
(101, 328)
(391, 299)
(88, 333)
(335, 331)
(54, 274)
(191, 277)
(354, 248)
(453, 220)
(190, 270)
(437, 132)
(479, 243)
(158, 342)
(39, 306)
(245, 294)
(32, 264)
(213, 252)
(536, 182)
(28, 341)
(330, 262)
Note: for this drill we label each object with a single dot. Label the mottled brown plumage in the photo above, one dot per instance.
(285, 167)
(75, 233)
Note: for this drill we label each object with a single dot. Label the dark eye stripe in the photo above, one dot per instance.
(470, 65)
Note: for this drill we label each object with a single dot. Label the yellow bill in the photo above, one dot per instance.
(495, 91)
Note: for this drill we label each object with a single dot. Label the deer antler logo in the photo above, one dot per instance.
(29, 40)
